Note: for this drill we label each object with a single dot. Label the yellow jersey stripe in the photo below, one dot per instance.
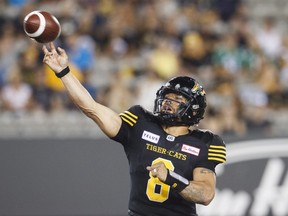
(217, 159)
(127, 120)
(219, 151)
(131, 114)
(217, 155)
(217, 147)
(128, 117)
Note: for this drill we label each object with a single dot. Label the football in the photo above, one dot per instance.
(41, 26)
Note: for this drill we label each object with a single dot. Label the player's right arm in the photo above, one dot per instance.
(107, 120)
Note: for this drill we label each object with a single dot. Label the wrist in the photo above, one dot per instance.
(176, 181)
(63, 72)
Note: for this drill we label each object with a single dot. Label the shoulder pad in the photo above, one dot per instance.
(134, 114)
(215, 144)
(130, 116)
(204, 135)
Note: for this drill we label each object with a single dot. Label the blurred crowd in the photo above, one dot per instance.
(124, 50)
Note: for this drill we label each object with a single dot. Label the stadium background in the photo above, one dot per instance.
(54, 161)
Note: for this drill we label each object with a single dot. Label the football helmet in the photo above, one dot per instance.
(188, 113)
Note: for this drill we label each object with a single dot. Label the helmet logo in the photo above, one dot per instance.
(202, 92)
(195, 88)
(199, 89)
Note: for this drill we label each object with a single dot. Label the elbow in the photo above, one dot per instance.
(208, 199)
(206, 202)
(202, 196)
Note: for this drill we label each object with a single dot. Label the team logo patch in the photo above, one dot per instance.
(190, 149)
(170, 138)
(154, 138)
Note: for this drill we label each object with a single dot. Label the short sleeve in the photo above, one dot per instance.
(129, 120)
(216, 151)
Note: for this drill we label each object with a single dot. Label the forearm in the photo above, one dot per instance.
(198, 192)
(97, 112)
(78, 94)
(201, 190)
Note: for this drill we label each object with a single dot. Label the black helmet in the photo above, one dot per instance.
(188, 113)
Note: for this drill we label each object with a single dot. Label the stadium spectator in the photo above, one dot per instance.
(16, 95)
(269, 31)
(42, 94)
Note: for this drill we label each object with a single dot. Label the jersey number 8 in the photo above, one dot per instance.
(162, 193)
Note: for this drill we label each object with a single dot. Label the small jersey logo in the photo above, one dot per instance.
(170, 138)
(190, 149)
(154, 138)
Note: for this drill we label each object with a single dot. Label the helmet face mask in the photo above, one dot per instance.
(190, 111)
(172, 103)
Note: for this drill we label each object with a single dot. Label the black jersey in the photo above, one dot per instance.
(146, 143)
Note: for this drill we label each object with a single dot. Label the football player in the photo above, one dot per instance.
(172, 167)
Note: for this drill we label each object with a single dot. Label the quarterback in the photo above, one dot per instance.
(171, 166)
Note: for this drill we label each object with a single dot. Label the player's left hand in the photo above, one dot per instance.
(158, 170)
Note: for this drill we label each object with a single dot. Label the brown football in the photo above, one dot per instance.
(41, 26)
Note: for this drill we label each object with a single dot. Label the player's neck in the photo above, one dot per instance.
(176, 130)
